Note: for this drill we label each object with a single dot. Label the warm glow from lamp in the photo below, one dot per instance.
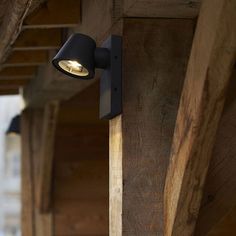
(73, 67)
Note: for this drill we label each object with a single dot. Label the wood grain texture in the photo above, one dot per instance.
(220, 187)
(227, 226)
(26, 71)
(155, 54)
(17, 82)
(55, 14)
(38, 39)
(161, 8)
(209, 69)
(43, 224)
(14, 14)
(27, 198)
(115, 177)
(100, 28)
(46, 156)
(26, 58)
(80, 176)
(9, 91)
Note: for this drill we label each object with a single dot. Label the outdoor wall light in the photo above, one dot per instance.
(79, 57)
(14, 127)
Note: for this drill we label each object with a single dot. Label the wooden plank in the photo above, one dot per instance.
(209, 69)
(98, 29)
(26, 71)
(161, 8)
(55, 14)
(80, 181)
(115, 177)
(43, 222)
(17, 82)
(16, 77)
(38, 39)
(87, 225)
(10, 91)
(14, 14)
(151, 94)
(27, 212)
(26, 58)
(227, 226)
(10, 87)
(220, 187)
(81, 217)
(46, 156)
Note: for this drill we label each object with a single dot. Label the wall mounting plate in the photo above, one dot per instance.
(111, 80)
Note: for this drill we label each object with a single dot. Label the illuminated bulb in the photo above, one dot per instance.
(73, 67)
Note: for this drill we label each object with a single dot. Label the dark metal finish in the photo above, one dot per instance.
(102, 58)
(111, 80)
(14, 126)
(82, 49)
(78, 47)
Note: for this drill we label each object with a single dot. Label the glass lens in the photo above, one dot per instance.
(73, 67)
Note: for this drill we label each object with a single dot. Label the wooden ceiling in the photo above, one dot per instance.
(28, 47)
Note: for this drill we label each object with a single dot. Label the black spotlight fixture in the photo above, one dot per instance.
(14, 127)
(79, 57)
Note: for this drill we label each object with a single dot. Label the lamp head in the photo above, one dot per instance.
(14, 127)
(76, 57)
(79, 57)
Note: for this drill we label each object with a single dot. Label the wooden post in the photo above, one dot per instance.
(43, 221)
(33, 222)
(46, 157)
(220, 186)
(209, 69)
(155, 54)
(27, 199)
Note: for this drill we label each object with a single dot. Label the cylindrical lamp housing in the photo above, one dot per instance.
(14, 126)
(79, 49)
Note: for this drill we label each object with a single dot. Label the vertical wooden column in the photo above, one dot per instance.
(209, 69)
(27, 200)
(46, 156)
(155, 54)
(34, 223)
(43, 220)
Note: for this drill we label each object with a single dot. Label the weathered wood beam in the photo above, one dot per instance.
(27, 198)
(9, 78)
(160, 8)
(43, 223)
(10, 87)
(14, 15)
(55, 14)
(26, 71)
(105, 12)
(115, 177)
(33, 222)
(17, 82)
(227, 226)
(46, 157)
(38, 39)
(11, 91)
(26, 58)
(209, 69)
(155, 54)
(220, 188)
(80, 176)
